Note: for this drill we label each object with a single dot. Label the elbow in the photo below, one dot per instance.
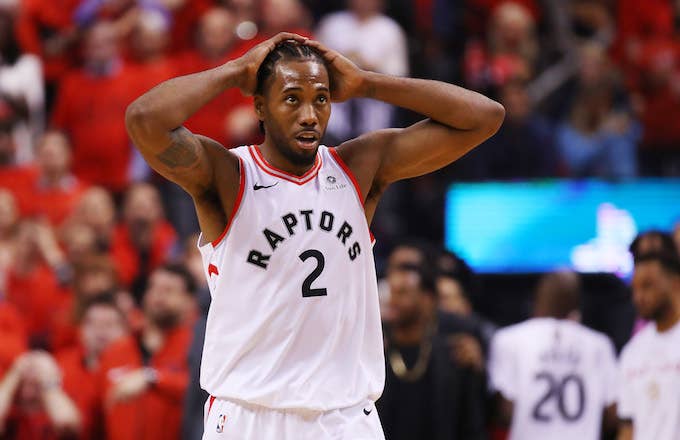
(134, 115)
(494, 114)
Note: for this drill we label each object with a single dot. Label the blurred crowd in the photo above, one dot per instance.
(102, 291)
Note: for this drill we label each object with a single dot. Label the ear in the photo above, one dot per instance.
(259, 107)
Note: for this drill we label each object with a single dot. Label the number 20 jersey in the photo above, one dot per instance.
(559, 374)
(294, 321)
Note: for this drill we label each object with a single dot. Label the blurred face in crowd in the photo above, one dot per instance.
(592, 64)
(216, 32)
(142, 207)
(653, 289)
(8, 211)
(451, 297)
(280, 15)
(512, 26)
(150, 36)
(366, 8)
(404, 255)
(101, 45)
(408, 301)
(80, 242)
(166, 300)
(100, 326)
(92, 281)
(54, 154)
(97, 210)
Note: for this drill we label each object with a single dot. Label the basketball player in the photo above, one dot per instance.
(293, 346)
(555, 377)
(649, 398)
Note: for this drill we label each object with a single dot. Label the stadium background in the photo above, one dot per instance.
(591, 90)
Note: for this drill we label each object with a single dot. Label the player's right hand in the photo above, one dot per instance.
(250, 62)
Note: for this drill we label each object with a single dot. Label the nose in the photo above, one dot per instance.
(308, 116)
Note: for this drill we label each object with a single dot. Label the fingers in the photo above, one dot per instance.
(283, 36)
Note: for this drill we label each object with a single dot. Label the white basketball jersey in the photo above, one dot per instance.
(294, 321)
(650, 383)
(560, 375)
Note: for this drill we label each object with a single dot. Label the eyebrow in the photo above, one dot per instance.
(298, 88)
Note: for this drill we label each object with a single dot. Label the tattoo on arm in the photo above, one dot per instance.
(178, 155)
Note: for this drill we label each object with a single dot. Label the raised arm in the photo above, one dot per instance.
(154, 120)
(154, 123)
(459, 120)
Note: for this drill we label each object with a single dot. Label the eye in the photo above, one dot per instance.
(291, 99)
(323, 99)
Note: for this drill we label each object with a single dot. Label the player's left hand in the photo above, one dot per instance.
(346, 78)
(129, 386)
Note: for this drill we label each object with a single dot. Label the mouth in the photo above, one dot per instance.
(307, 140)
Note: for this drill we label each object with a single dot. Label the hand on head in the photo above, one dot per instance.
(345, 77)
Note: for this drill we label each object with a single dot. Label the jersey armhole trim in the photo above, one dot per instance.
(237, 202)
(355, 183)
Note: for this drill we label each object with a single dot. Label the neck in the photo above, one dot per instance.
(669, 319)
(52, 179)
(411, 334)
(274, 158)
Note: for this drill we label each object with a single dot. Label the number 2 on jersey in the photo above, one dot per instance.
(307, 289)
(557, 390)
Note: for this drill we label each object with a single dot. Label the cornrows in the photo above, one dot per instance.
(287, 50)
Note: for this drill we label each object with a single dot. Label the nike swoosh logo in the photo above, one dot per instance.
(257, 187)
(367, 412)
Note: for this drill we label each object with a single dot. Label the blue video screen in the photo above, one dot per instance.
(537, 226)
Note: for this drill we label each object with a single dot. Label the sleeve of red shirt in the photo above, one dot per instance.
(61, 114)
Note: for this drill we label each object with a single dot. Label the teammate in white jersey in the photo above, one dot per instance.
(556, 378)
(293, 346)
(649, 397)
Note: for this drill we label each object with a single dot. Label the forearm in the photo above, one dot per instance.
(445, 103)
(61, 410)
(168, 105)
(8, 387)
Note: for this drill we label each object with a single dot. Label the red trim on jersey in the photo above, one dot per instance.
(212, 269)
(211, 400)
(349, 173)
(261, 162)
(237, 203)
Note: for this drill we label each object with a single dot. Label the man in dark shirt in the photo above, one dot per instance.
(428, 394)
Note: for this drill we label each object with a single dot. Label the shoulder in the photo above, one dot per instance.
(637, 342)
(388, 24)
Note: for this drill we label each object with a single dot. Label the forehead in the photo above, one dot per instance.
(299, 74)
(647, 269)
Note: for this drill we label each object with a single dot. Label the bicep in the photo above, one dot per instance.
(179, 156)
(423, 148)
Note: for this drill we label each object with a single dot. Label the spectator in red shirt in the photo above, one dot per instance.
(101, 324)
(145, 376)
(32, 284)
(45, 28)
(90, 106)
(144, 239)
(33, 404)
(56, 191)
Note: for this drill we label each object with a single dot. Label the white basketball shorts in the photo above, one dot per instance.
(227, 420)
